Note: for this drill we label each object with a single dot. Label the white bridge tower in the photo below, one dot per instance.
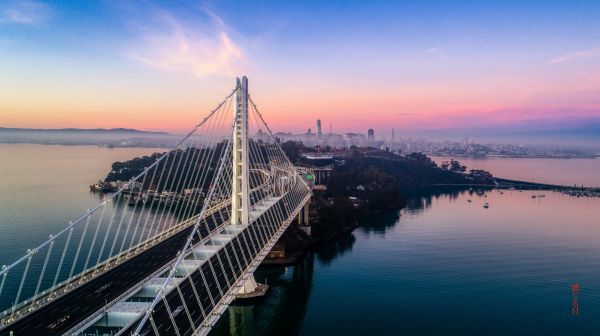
(239, 192)
(240, 200)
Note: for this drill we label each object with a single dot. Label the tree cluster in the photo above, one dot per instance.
(453, 166)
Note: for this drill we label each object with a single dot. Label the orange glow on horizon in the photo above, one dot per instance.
(489, 100)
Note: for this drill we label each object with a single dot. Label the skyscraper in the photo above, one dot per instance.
(371, 135)
(319, 129)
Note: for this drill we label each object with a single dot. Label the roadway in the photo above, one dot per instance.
(210, 281)
(65, 312)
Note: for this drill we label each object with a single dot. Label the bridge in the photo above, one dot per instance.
(169, 251)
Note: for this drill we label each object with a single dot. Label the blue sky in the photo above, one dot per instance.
(417, 65)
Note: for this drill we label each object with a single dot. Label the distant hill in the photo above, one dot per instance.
(82, 130)
(114, 137)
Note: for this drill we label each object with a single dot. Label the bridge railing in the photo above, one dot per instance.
(290, 191)
(156, 201)
(189, 187)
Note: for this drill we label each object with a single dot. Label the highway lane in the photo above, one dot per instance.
(210, 282)
(65, 312)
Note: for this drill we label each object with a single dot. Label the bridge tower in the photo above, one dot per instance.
(239, 192)
(231, 229)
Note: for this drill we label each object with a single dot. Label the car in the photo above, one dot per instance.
(177, 310)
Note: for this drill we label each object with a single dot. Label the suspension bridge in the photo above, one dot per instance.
(168, 252)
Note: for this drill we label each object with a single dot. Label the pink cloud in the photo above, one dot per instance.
(172, 44)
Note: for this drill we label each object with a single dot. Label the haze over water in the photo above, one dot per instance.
(552, 171)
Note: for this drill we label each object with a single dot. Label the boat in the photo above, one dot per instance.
(469, 200)
(486, 205)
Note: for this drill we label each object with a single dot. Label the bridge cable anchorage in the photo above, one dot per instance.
(193, 224)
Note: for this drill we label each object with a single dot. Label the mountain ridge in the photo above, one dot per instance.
(83, 130)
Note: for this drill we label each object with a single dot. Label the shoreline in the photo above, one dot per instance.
(484, 157)
(309, 244)
(166, 147)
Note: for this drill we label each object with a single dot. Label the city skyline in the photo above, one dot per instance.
(583, 141)
(430, 67)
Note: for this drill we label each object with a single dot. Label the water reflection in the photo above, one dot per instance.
(419, 199)
(443, 265)
(281, 312)
(341, 245)
(380, 223)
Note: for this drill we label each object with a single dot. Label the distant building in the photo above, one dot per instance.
(371, 135)
(309, 138)
(319, 134)
(354, 139)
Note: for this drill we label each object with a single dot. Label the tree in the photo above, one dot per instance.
(455, 166)
(292, 150)
(445, 165)
(480, 173)
(422, 159)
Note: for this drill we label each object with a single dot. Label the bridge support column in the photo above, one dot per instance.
(306, 214)
(251, 289)
(303, 222)
(239, 191)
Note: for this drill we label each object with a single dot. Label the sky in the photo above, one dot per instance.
(459, 68)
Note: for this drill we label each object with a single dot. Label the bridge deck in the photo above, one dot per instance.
(76, 306)
(245, 247)
(191, 268)
(65, 312)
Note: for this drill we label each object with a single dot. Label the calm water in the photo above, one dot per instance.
(441, 266)
(43, 187)
(553, 171)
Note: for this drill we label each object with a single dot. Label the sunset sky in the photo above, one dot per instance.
(455, 66)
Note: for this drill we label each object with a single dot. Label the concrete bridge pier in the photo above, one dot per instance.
(303, 219)
(251, 289)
